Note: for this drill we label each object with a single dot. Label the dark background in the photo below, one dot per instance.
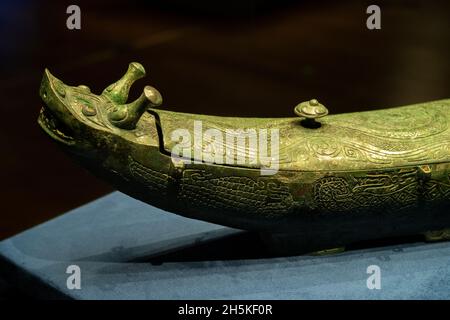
(235, 58)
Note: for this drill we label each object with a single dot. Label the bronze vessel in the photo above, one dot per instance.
(327, 180)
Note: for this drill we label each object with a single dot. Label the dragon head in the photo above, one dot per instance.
(74, 116)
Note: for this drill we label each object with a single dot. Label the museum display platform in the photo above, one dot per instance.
(126, 249)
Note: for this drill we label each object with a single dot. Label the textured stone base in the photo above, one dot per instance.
(128, 250)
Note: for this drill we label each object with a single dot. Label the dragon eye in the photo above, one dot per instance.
(88, 110)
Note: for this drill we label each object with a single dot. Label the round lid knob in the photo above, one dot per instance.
(311, 109)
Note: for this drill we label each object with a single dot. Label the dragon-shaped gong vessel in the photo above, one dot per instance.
(338, 178)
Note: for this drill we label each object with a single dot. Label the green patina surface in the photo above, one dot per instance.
(350, 170)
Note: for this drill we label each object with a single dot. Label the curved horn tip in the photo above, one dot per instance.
(138, 66)
(153, 95)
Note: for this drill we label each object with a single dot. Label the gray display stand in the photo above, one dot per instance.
(126, 249)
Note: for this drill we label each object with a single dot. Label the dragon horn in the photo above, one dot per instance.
(118, 91)
(126, 116)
